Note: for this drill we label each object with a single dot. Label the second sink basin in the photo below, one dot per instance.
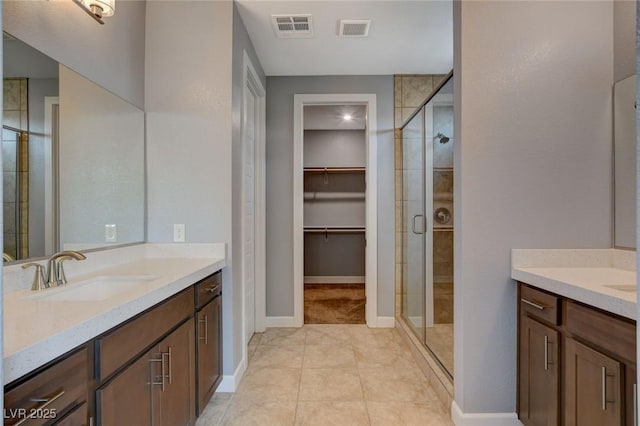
(93, 289)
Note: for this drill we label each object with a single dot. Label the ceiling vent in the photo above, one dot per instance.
(293, 26)
(354, 27)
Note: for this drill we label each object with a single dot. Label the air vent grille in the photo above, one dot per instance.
(289, 26)
(354, 27)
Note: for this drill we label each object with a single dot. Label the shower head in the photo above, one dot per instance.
(443, 138)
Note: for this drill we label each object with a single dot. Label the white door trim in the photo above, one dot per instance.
(251, 81)
(371, 177)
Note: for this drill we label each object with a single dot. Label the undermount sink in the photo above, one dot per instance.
(631, 288)
(93, 289)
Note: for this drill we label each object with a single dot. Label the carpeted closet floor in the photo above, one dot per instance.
(334, 304)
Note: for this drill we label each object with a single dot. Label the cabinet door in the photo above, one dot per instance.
(593, 387)
(209, 351)
(539, 380)
(77, 417)
(127, 399)
(176, 405)
(631, 395)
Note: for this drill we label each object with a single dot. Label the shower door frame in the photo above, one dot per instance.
(427, 143)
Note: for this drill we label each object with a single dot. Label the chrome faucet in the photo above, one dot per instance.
(55, 269)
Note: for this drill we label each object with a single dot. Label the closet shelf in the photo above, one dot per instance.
(443, 229)
(335, 169)
(334, 229)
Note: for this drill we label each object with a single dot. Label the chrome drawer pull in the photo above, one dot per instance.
(535, 305)
(46, 402)
(213, 288)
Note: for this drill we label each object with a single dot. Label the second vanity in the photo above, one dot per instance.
(149, 354)
(576, 337)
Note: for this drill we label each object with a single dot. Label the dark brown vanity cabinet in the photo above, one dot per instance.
(208, 338)
(576, 364)
(51, 395)
(156, 369)
(157, 388)
(539, 373)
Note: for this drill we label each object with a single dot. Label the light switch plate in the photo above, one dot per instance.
(178, 232)
(110, 233)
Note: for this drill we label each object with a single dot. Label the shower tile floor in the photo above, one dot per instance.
(325, 374)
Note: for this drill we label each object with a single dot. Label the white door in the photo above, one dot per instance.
(249, 218)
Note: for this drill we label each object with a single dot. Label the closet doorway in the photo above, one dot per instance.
(334, 210)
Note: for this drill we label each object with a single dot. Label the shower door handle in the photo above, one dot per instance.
(413, 224)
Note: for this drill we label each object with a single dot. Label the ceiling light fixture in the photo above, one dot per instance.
(97, 9)
(347, 117)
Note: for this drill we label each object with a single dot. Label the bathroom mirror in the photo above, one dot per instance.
(73, 159)
(624, 127)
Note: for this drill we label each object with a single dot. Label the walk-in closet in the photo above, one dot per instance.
(334, 214)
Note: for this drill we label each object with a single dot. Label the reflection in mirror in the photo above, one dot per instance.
(73, 159)
(624, 124)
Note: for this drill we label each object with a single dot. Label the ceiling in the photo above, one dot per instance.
(405, 37)
(332, 117)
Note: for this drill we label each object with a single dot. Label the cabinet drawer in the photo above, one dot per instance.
(208, 288)
(49, 394)
(597, 327)
(78, 417)
(539, 304)
(116, 348)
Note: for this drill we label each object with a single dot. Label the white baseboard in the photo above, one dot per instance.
(230, 383)
(334, 280)
(385, 322)
(279, 322)
(482, 419)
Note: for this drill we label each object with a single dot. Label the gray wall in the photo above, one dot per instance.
(188, 104)
(280, 91)
(624, 40)
(338, 202)
(111, 55)
(335, 148)
(532, 166)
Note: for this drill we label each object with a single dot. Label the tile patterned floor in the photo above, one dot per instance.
(328, 375)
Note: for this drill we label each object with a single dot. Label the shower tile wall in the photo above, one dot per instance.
(15, 114)
(410, 91)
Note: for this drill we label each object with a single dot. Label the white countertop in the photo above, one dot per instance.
(581, 275)
(38, 331)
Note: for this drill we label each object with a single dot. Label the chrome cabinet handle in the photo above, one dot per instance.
(635, 404)
(213, 288)
(413, 224)
(535, 305)
(168, 353)
(46, 402)
(205, 320)
(162, 365)
(546, 353)
(604, 388)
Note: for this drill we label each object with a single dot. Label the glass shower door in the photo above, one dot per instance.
(415, 250)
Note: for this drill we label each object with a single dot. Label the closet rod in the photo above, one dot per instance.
(334, 169)
(334, 230)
